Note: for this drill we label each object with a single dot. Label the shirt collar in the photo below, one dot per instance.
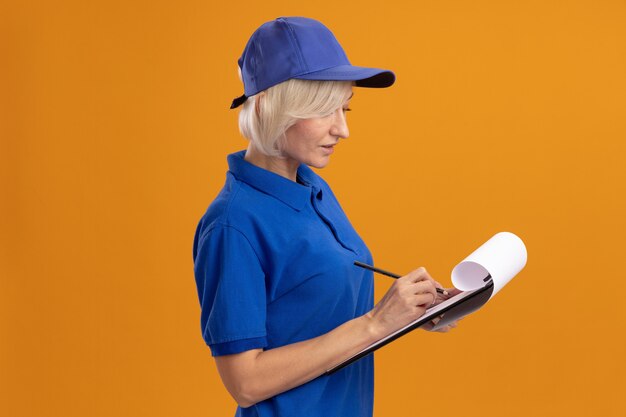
(289, 192)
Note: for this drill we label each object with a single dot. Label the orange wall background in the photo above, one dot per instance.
(506, 116)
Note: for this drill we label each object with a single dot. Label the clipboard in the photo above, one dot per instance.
(482, 274)
(451, 310)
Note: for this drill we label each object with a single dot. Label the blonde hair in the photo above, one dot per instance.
(281, 106)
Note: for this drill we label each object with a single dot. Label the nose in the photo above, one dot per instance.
(339, 127)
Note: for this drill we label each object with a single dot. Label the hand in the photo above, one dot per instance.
(441, 297)
(445, 329)
(405, 301)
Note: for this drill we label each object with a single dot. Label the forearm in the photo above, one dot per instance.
(256, 375)
(267, 373)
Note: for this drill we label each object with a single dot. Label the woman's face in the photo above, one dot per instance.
(312, 141)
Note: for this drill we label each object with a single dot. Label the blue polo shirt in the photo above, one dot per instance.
(273, 262)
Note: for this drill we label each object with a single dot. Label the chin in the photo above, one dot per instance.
(319, 163)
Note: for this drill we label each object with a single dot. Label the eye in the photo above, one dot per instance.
(346, 109)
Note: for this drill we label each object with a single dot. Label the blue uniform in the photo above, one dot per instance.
(274, 266)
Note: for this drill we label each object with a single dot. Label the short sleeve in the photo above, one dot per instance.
(231, 289)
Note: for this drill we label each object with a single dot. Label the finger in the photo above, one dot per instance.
(444, 291)
(426, 276)
(425, 287)
(428, 326)
(420, 274)
(453, 291)
(451, 325)
(424, 300)
(437, 319)
(438, 285)
(449, 293)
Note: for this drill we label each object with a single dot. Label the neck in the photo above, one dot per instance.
(285, 167)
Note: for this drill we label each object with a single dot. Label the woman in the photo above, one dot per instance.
(281, 299)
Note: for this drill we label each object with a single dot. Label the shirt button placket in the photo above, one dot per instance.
(317, 202)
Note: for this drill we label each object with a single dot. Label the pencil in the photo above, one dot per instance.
(389, 274)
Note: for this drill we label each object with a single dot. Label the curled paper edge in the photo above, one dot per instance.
(501, 257)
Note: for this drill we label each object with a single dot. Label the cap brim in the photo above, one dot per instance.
(362, 76)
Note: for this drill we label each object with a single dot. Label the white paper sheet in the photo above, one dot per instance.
(502, 257)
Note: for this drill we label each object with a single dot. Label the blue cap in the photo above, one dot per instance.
(300, 48)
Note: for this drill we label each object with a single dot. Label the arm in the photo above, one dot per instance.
(256, 375)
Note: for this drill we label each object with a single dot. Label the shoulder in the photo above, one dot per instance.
(238, 206)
